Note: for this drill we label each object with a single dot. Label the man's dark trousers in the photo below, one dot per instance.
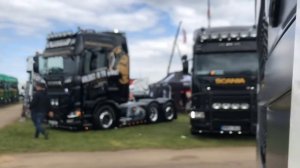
(39, 107)
(37, 119)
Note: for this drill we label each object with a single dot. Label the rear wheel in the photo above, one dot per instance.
(104, 117)
(169, 111)
(153, 113)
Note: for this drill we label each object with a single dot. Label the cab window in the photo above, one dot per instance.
(94, 60)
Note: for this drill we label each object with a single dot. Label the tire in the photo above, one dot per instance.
(153, 113)
(104, 117)
(169, 112)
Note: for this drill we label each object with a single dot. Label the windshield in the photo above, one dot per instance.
(57, 65)
(226, 63)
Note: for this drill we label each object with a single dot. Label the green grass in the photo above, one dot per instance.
(18, 137)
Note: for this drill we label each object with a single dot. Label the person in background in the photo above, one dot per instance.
(185, 64)
(39, 106)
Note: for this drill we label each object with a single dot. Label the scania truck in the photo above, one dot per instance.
(87, 78)
(224, 80)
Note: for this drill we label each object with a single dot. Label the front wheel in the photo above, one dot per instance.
(104, 117)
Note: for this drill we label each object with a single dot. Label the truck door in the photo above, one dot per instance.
(95, 64)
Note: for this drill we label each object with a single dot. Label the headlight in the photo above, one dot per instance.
(245, 106)
(226, 106)
(75, 114)
(56, 103)
(216, 106)
(52, 102)
(250, 87)
(235, 106)
(198, 115)
(68, 80)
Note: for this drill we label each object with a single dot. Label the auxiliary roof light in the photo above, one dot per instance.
(233, 35)
(116, 30)
(253, 34)
(224, 36)
(214, 36)
(244, 34)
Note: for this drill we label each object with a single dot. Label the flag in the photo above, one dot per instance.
(184, 35)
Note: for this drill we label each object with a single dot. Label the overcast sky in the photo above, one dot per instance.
(150, 26)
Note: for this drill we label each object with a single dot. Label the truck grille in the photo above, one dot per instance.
(60, 109)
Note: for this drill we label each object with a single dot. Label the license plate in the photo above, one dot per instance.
(53, 122)
(231, 128)
(69, 121)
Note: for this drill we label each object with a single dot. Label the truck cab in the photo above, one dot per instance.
(87, 77)
(224, 80)
(276, 42)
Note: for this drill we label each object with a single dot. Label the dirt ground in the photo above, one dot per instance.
(243, 157)
(9, 114)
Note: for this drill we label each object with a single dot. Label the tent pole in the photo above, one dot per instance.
(174, 47)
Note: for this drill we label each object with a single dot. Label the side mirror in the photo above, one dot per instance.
(36, 64)
(35, 68)
(274, 10)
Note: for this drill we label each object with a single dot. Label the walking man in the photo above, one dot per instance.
(39, 106)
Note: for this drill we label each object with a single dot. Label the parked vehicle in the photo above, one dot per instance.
(224, 79)
(87, 77)
(9, 91)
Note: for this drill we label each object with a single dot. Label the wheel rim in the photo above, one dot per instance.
(106, 119)
(153, 116)
(169, 113)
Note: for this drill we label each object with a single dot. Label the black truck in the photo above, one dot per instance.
(87, 77)
(224, 80)
(276, 46)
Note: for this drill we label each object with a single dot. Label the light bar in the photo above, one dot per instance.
(60, 35)
(227, 36)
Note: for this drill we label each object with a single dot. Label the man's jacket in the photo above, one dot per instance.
(40, 103)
